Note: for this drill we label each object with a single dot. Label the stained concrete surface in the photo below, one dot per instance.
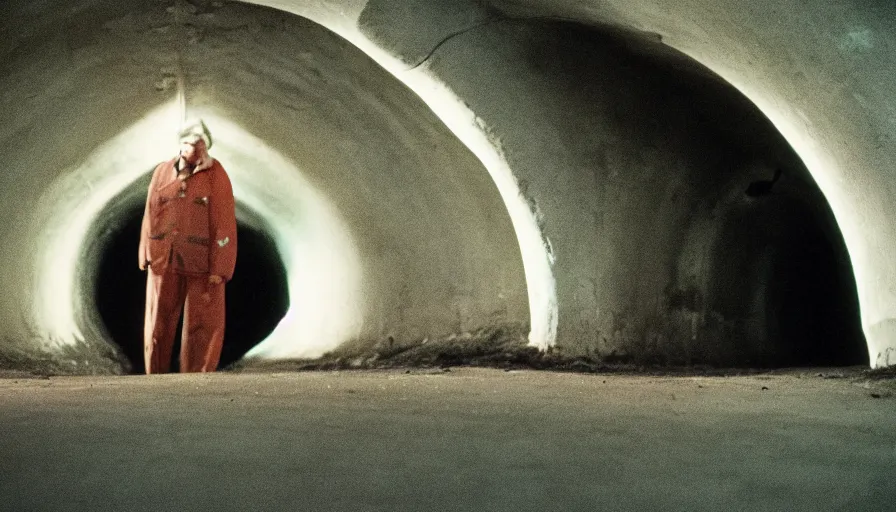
(432, 440)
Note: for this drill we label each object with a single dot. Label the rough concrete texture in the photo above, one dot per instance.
(600, 128)
(465, 440)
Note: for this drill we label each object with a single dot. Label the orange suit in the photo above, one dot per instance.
(188, 234)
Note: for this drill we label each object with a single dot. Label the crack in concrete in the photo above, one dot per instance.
(522, 19)
(448, 38)
(488, 22)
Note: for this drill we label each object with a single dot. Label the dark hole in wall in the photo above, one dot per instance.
(257, 296)
(783, 267)
(813, 304)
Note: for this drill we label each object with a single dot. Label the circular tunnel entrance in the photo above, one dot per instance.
(257, 296)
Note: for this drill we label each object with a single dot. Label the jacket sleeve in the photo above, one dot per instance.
(142, 256)
(222, 224)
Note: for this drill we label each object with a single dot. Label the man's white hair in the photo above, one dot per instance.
(195, 130)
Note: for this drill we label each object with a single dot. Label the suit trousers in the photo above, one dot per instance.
(202, 337)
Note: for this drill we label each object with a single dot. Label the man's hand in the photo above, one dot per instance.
(213, 279)
(145, 265)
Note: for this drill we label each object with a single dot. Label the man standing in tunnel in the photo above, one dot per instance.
(188, 242)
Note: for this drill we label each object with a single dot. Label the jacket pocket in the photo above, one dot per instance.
(191, 258)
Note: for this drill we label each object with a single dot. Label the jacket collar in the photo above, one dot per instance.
(204, 164)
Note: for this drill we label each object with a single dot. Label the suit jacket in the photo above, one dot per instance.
(189, 225)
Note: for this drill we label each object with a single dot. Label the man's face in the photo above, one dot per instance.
(192, 151)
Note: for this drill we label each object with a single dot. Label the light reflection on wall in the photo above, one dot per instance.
(535, 248)
(322, 262)
(463, 123)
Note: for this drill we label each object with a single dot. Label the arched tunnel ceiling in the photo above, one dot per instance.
(613, 265)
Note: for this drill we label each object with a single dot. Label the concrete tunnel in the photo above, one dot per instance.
(703, 183)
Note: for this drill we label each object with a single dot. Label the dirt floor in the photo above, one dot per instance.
(464, 439)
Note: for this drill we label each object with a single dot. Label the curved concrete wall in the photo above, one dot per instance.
(592, 182)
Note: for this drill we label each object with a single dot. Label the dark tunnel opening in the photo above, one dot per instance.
(781, 291)
(814, 306)
(781, 266)
(257, 296)
(780, 288)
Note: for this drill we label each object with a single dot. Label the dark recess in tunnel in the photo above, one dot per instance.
(781, 291)
(796, 269)
(257, 296)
